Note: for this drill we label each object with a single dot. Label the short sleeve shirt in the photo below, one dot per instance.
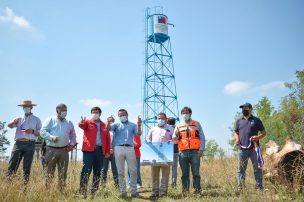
(246, 128)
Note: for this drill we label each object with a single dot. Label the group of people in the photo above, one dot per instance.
(119, 142)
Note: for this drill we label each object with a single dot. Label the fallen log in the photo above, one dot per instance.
(285, 165)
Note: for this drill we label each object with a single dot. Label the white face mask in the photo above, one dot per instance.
(95, 116)
(161, 122)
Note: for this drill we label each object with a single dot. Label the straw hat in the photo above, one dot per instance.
(27, 103)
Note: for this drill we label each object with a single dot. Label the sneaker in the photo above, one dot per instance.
(135, 195)
(138, 186)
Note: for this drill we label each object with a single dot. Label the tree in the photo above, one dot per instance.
(213, 150)
(292, 108)
(287, 121)
(3, 140)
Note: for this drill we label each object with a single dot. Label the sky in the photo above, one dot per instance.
(87, 53)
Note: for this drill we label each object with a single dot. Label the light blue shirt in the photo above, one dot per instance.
(55, 127)
(24, 123)
(201, 135)
(98, 139)
(123, 133)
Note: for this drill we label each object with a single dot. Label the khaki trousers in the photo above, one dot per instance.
(155, 172)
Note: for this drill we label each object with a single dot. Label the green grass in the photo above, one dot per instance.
(218, 179)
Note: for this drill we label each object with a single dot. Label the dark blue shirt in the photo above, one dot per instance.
(248, 128)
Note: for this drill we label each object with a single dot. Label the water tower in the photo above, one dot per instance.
(159, 79)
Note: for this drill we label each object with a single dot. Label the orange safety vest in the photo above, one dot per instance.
(189, 136)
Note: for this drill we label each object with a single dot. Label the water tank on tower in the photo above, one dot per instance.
(158, 28)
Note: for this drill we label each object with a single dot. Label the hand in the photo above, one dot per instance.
(107, 155)
(55, 139)
(200, 153)
(255, 138)
(16, 120)
(237, 141)
(29, 131)
(111, 151)
(139, 121)
(177, 133)
(135, 143)
(69, 148)
(110, 119)
(83, 119)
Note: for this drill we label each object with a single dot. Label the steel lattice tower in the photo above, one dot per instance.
(159, 79)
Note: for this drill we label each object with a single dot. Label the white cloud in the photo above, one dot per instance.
(236, 87)
(271, 85)
(96, 102)
(9, 17)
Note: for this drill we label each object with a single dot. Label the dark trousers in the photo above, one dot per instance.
(91, 160)
(25, 151)
(187, 159)
(113, 168)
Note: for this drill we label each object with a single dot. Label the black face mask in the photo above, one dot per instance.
(245, 112)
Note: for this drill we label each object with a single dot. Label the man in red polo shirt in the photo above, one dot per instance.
(96, 147)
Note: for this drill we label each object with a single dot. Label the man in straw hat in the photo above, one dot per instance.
(27, 131)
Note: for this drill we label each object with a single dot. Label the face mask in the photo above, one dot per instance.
(123, 119)
(95, 116)
(245, 112)
(161, 122)
(27, 110)
(186, 117)
(63, 114)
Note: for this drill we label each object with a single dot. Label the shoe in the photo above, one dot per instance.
(238, 191)
(138, 186)
(135, 195)
(197, 192)
(123, 195)
(163, 195)
(185, 193)
(154, 195)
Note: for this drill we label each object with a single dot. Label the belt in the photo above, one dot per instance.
(125, 145)
(25, 140)
(98, 146)
(56, 147)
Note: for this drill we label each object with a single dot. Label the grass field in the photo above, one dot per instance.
(218, 183)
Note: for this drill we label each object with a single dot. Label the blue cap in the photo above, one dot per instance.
(246, 105)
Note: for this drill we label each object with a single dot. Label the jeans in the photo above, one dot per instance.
(113, 168)
(21, 150)
(139, 183)
(244, 155)
(91, 160)
(187, 159)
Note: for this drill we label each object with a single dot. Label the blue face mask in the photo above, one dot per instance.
(186, 117)
(27, 110)
(161, 122)
(123, 119)
(63, 114)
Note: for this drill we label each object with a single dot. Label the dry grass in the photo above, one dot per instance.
(218, 182)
